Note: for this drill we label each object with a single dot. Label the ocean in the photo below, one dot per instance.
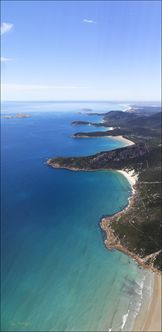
(57, 274)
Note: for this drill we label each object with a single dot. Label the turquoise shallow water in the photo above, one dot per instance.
(56, 273)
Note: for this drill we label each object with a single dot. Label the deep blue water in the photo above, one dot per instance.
(56, 273)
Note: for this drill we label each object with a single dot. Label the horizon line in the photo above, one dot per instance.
(82, 101)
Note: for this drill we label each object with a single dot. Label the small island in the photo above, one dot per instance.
(136, 230)
(18, 116)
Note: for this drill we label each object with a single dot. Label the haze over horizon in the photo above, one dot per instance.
(81, 51)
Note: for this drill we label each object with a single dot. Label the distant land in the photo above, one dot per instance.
(87, 109)
(18, 115)
(136, 230)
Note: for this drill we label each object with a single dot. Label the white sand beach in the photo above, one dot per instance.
(122, 139)
(151, 320)
(131, 176)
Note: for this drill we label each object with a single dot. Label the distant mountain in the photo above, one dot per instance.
(133, 119)
(145, 110)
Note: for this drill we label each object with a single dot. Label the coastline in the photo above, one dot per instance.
(132, 178)
(112, 241)
(150, 319)
(122, 139)
(149, 316)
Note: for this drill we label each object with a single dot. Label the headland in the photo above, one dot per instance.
(136, 230)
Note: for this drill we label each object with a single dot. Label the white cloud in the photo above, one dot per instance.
(5, 27)
(3, 59)
(88, 21)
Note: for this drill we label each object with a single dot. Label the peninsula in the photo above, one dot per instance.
(136, 230)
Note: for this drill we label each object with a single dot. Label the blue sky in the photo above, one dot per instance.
(80, 50)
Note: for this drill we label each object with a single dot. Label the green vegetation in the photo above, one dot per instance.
(139, 227)
(127, 132)
(137, 156)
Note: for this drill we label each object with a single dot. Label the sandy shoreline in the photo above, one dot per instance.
(122, 139)
(148, 319)
(116, 138)
(151, 320)
(131, 176)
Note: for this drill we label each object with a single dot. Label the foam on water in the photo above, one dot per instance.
(142, 295)
(124, 319)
